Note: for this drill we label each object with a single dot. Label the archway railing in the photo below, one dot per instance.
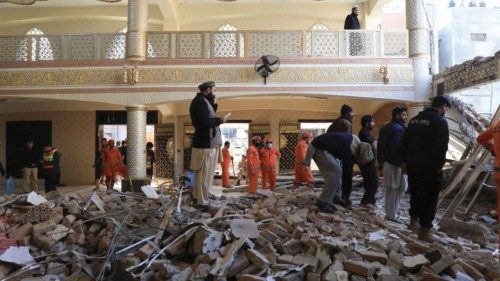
(222, 44)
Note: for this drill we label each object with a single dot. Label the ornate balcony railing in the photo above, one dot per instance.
(219, 44)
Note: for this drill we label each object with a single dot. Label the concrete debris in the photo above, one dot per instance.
(269, 236)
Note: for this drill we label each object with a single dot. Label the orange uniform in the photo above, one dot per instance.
(253, 168)
(491, 140)
(111, 165)
(226, 161)
(302, 173)
(269, 157)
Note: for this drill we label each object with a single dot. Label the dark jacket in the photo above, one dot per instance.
(200, 118)
(29, 158)
(51, 160)
(337, 144)
(341, 124)
(2, 170)
(389, 143)
(365, 135)
(123, 152)
(426, 140)
(351, 22)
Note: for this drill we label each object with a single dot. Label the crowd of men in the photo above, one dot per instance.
(408, 156)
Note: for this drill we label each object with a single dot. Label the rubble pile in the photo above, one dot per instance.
(268, 236)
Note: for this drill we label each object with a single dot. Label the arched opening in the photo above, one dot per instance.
(228, 42)
(34, 47)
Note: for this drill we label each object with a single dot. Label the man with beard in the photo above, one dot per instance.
(343, 124)
(423, 153)
(351, 21)
(207, 141)
(389, 160)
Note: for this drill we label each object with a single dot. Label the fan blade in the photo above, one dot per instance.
(274, 62)
(268, 68)
(264, 59)
(261, 67)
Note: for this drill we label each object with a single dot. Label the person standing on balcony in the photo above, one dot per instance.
(389, 161)
(207, 140)
(368, 171)
(253, 164)
(29, 161)
(423, 154)
(226, 162)
(269, 157)
(303, 173)
(343, 124)
(351, 21)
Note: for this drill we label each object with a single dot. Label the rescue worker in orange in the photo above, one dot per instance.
(226, 161)
(111, 163)
(491, 140)
(303, 173)
(253, 164)
(269, 156)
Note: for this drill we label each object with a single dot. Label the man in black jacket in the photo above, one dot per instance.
(206, 142)
(30, 159)
(368, 170)
(329, 150)
(343, 124)
(51, 169)
(351, 21)
(423, 153)
(389, 160)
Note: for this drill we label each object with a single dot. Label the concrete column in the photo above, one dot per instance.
(179, 146)
(136, 31)
(418, 27)
(136, 141)
(415, 108)
(274, 132)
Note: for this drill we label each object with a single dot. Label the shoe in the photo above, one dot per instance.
(326, 207)
(228, 186)
(414, 224)
(347, 201)
(396, 220)
(238, 183)
(339, 201)
(425, 234)
(368, 206)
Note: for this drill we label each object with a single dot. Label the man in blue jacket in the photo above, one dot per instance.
(389, 160)
(423, 153)
(206, 142)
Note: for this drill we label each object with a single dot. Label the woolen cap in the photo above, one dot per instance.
(345, 109)
(205, 85)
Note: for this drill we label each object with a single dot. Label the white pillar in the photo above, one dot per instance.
(136, 31)
(179, 146)
(418, 27)
(274, 133)
(136, 141)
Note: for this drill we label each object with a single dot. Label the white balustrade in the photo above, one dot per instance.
(204, 44)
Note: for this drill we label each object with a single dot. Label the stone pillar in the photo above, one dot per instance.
(274, 133)
(136, 141)
(415, 108)
(418, 28)
(179, 146)
(136, 31)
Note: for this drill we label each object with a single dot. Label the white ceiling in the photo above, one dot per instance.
(78, 3)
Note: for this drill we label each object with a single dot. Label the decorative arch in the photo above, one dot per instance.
(227, 27)
(319, 27)
(34, 47)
